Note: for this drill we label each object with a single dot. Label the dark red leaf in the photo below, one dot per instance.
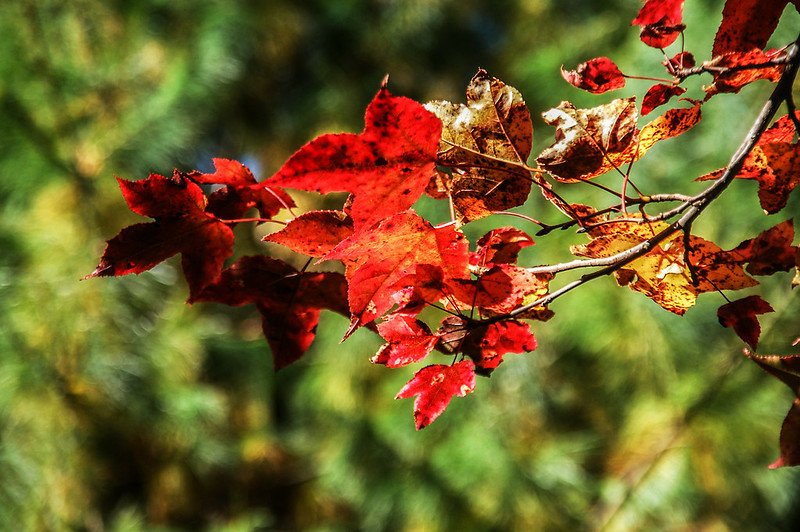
(289, 301)
(434, 386)
(386, 167)
(741, 316)
(658, 95)
(747, 24)
(661, 22)
(789, 439)
(597, 76)
(743, 68)
(408, 340)
(180, 226)
(770, 252)
(314, 233)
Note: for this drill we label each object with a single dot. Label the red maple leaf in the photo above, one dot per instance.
(408, 340)
(379, 258)
(658, 95)
(181, 226)
(314, 233)
(747, 24)
(661, 22)
(597, 76)
(785, 368)
(289, 301)
(774, 162)
(741, 315)
(386, 167)
(434, 386)
(241, 192)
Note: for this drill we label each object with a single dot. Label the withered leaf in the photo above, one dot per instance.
(495, 121)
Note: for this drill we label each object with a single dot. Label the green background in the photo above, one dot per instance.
(122, 408)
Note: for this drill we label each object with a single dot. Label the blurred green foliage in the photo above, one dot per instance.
(121, 408)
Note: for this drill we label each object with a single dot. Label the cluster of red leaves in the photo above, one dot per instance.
(418, 285)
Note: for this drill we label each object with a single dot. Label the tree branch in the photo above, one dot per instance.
(693, 208)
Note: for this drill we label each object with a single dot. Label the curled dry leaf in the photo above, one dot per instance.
(597, 76)
(592, 142)
(495, 122)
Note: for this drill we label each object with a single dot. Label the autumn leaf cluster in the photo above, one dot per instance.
(429, 292)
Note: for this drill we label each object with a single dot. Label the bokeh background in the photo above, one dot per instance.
(122, 408)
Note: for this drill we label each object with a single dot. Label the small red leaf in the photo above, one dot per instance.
(434, 386)
(661, 22)
(597, 76)
(408, 340)
(314, 233)
(658, 95)
(741, 315)
(485, 344)
(679, 61)
(241, 192)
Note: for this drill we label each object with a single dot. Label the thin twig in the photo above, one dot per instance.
(694, 208)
